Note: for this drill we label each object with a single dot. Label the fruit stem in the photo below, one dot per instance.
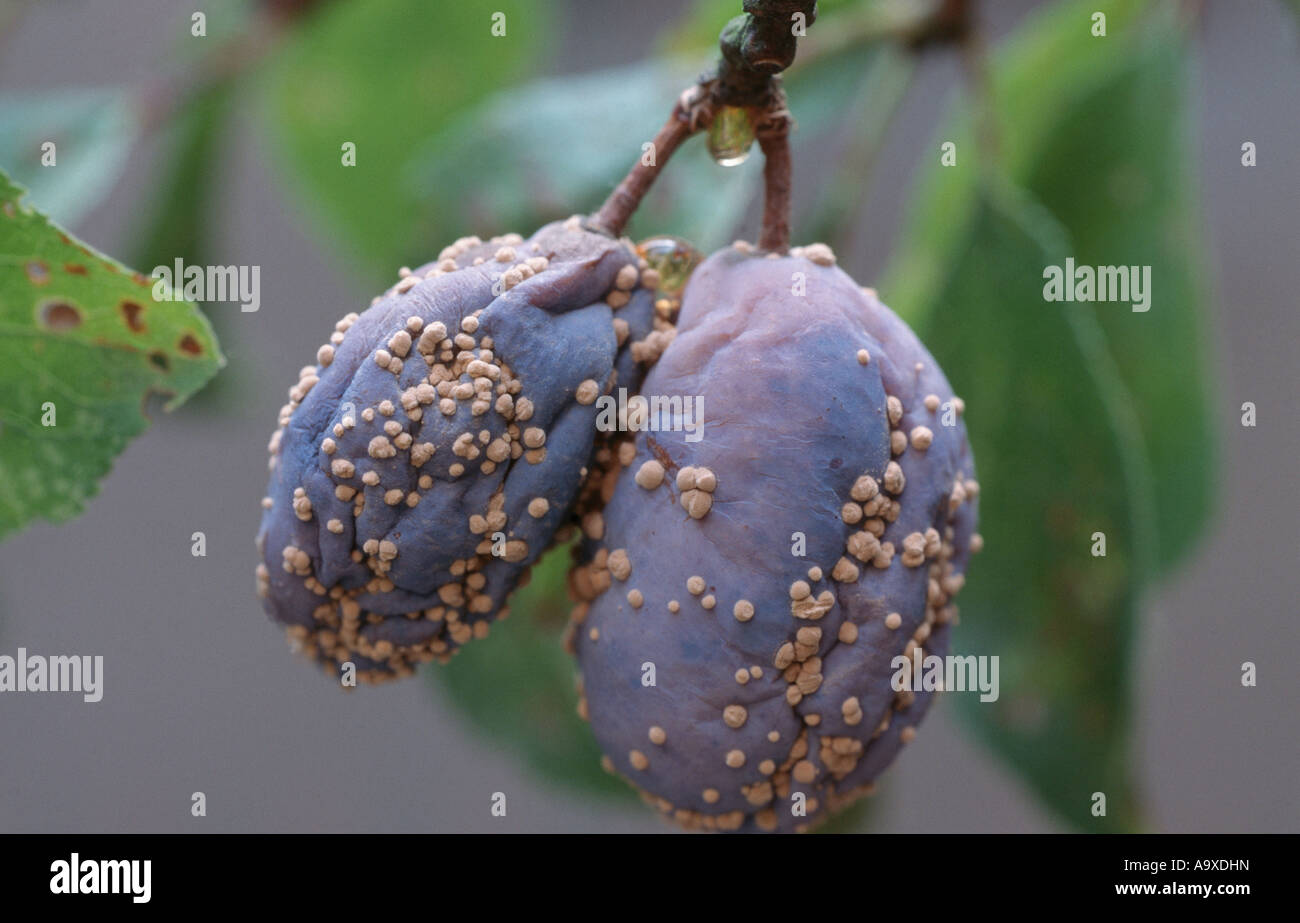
(692, 113)
(773, 132)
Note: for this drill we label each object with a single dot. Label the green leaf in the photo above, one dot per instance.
(385, 75)
(92, 131)
(517, 687)
(1096, 129)
(81, 338)
(1115, 170)
(1053, 453)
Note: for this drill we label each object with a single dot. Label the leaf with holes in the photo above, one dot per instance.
(84, 344)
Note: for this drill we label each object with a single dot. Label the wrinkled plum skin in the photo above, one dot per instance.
(554, 332)
(792, 419)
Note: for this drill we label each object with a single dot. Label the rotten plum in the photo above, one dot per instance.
(740, 611)
(430, 454)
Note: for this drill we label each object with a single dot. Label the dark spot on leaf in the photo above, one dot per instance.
(38, 272)
(132, 311)
(59, 315)
(191, 346)
(75, 269)
(160, 362)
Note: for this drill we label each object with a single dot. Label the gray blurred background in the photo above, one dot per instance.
(201, 695)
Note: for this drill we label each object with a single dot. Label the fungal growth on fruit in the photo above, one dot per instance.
(832, 539)
(430, 454)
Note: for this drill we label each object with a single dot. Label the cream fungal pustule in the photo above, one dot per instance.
(826, 516)
(429, 456)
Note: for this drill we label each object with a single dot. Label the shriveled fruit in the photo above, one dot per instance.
(428, 457)
(737, 664)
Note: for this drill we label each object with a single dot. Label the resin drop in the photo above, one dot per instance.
(671, 257)
(731, 136)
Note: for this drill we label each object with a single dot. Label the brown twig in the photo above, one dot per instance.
(775, 236)
(773, 133)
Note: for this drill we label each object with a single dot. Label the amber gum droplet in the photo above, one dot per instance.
(731, 135)
(672, 258)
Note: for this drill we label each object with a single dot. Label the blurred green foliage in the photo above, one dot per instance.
(1097, 130)
(180, 218)
(385, 75)
(180, 222)
(1116, 170)
(1055, 466)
